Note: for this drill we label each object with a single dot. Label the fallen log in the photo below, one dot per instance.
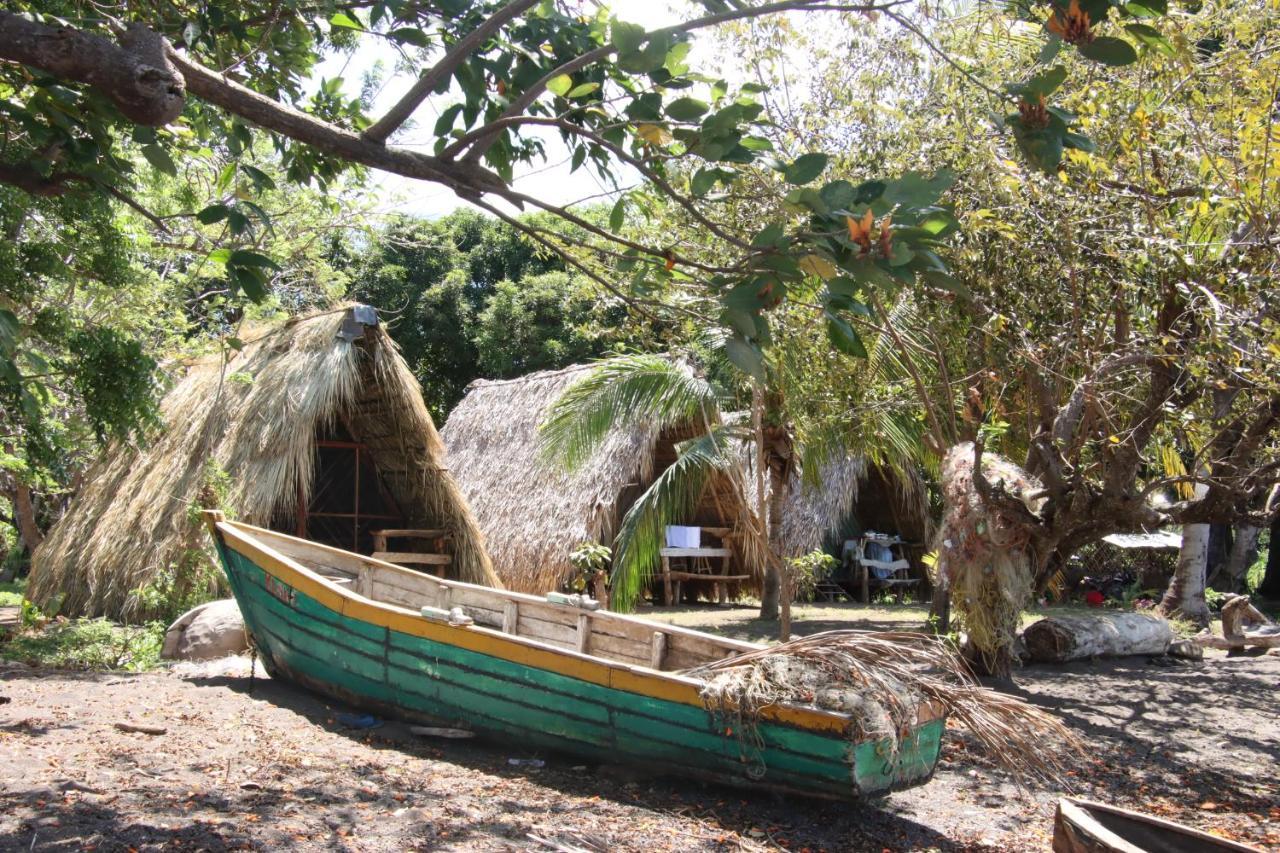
(1058, 639)
(1238, 617)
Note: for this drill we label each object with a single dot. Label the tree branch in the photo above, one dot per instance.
(380, 130)
(135, 74)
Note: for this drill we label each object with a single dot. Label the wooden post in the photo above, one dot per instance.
(584, 632)
(657, 650)
(443, 597)
(364, 582)
(666, 581)
(511, 617)
(863, 571)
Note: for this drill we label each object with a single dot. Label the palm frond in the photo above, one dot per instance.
(623, 391)
(672, 496)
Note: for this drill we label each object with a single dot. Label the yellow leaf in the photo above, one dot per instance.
(654, 134)
(818, 266)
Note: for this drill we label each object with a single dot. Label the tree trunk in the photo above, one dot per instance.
(1270, 586)
(1057, 639)
(24, 513)
(1244, 550)
(1185, 596)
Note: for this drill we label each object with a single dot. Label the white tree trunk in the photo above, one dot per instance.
(1057, 639)
(1185, 596)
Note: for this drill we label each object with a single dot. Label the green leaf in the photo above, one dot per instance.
(213, 213)
(1147, 8)
(687, 109)
(260, 179)
(770, 235)
(1108, 50)
(251, 281)
(746, 356)
(940, 223)
(246, 258)
(220, 256)
(409, 35)
(444, 124)
(582, 90)
(844, 337)
(627, 38)
(8, 331)
(160, 160)
(560, 84)
(1078, 141)
(618, 215)
(1046, 82)
(809, 198)
(806, 168)
(839, 195)
(342, 19)
(1152, 38)
(703, 180)
(914, 190)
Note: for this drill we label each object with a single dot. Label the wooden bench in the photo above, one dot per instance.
(436, 536)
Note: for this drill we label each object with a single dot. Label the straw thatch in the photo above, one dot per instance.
(535, 514)
(255, 418)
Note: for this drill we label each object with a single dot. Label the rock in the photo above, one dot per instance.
(1186, 649)
(212, 630)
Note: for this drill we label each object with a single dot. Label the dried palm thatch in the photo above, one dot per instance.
(534, 513)
(984, 555)
(882, 679)
(254, 417)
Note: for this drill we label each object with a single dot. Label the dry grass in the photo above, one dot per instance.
(882, 679)
(255, 417)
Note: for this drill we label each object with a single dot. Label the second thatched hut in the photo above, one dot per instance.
(535, 515)
(315, 427)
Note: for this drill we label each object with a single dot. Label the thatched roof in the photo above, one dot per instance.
(255, 418)
(532, 512)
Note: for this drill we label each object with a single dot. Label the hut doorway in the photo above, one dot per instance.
(348, 497)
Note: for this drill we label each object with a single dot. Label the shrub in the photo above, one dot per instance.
(807, 570)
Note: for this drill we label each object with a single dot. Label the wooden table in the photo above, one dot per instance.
(720, 580)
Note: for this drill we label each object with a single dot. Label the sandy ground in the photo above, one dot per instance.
(270, 766)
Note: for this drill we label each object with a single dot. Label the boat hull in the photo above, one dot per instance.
(396, 662)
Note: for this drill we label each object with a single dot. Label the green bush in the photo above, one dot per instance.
(12, 593)
(807, 570)
(88, 644)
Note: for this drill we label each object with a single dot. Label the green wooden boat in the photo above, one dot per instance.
(602, 686)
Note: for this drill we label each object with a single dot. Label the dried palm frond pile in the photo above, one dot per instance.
(984, 555)
(883, 679)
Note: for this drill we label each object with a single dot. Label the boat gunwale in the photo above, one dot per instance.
(631, 678)
(1077, 812)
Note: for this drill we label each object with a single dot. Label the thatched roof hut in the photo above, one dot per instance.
(315, 428)
(534, 514)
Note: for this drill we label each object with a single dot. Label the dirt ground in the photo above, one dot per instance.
(270, 766)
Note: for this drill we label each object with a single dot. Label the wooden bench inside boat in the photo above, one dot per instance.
(612, 636)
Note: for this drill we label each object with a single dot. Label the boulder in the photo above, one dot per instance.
(211, 630)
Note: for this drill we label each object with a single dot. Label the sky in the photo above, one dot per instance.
(550, 181)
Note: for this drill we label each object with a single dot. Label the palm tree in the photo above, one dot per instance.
(664, 393)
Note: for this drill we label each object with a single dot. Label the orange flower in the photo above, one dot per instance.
(860, 231)
(1034, 114)
(886, 238)
(1075, 28)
